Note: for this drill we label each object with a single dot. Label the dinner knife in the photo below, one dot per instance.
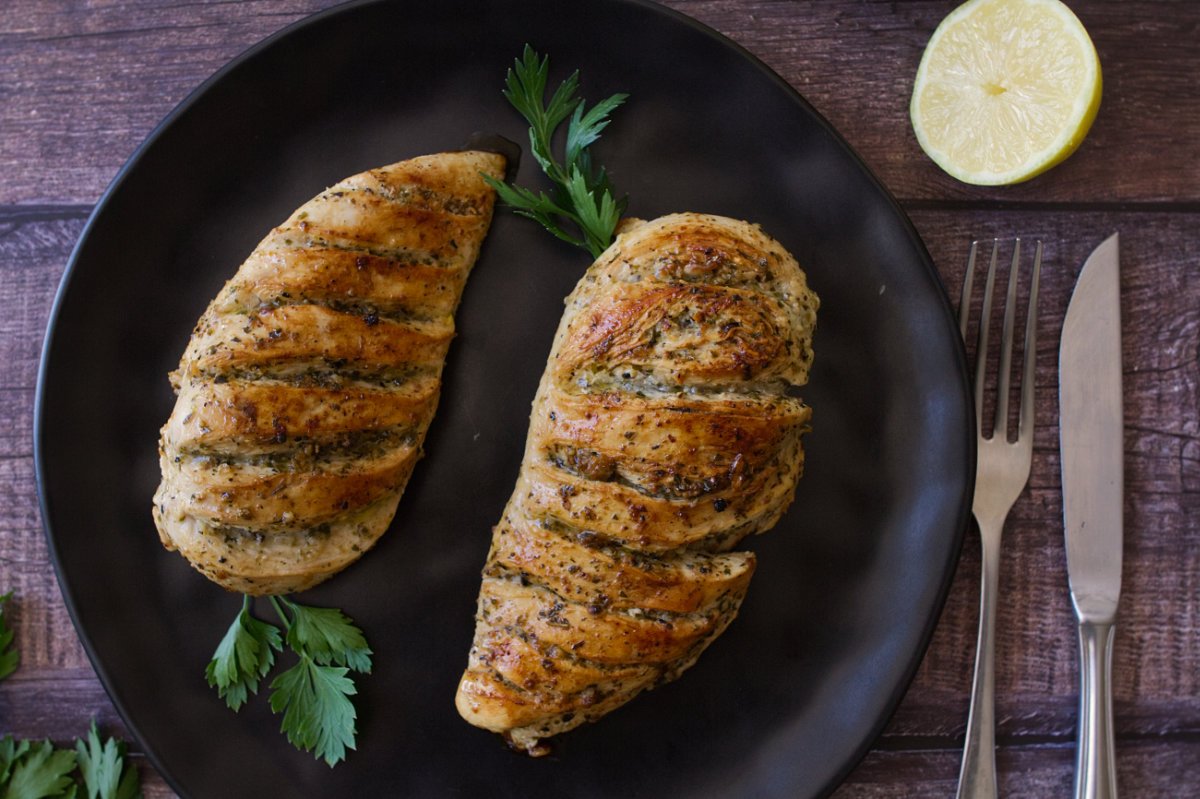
(1091, 440)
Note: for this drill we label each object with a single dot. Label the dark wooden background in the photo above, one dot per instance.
(83, 82)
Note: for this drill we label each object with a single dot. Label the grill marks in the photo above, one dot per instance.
(579, 665)
(306, 453)
(601, 578)
(663, 432)
(265, 499)
(402, 232)
(240, 414)
(567, 630)
(302, 333)
(686, 448)
(680, 335)
(322, 373)
(309, 383)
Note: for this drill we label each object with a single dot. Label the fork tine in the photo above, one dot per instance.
(964, 301)
(1025, 421)
(1000, 427)
(982, 349)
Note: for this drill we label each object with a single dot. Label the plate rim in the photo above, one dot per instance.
(947, 569)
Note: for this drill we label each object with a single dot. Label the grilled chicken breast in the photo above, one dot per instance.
(309, 382)
(662, 433)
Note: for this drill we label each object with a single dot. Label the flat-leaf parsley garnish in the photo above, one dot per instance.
(40, 770)
(103, 768)
(314, 694)
(244, 656)
(581, 210)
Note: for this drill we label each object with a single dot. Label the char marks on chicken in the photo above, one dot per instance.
(306, 390)
(663, 432)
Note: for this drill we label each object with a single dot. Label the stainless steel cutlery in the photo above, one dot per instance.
(1091, 440)
(1001, 471)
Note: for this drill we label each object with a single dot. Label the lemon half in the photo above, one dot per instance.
(1006, 90)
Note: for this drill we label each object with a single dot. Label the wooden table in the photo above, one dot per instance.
(82, 84)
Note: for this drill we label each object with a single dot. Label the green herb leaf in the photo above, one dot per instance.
(9, 656)
(314, 694)
(130, 786)
(525, 88)
(327, 636)
(318, 716)
(105, 773)
(585, 129)
(10, 750)
(595, 213)
(587, 206)
(42, 772)
(244, 657)
(537, 207)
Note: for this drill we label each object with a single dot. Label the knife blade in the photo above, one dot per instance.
(1091, 435)
(1092, 446)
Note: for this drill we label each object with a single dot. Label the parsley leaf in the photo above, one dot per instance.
(36, 770)
(313, 695)
(537, 207)
(595, 213)
(583, 197)
(10, 751)
(327, 636)
(318, 716)
(244, 657)
(105, 775)
(9, 656)
(41, 772)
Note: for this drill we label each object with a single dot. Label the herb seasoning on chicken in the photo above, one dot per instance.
(309, 382)
(662, 433)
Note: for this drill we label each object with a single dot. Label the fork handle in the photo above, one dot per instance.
(1095, 760)
(977, 779)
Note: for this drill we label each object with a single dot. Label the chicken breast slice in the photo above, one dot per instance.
(665, 430)
(308, 384)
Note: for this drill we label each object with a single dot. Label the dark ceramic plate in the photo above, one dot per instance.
(849, 584)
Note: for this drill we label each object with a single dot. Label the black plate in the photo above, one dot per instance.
(849, 584)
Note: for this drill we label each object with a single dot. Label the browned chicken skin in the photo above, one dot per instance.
(660, 436)
(309, 382)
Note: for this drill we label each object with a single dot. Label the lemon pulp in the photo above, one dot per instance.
(1006, 89)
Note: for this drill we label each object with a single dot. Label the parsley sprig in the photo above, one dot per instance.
(313, 695)
(581, 210)
(38, 770)
(9, 657)
(244, 656)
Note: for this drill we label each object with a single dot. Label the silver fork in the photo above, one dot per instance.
(1001, 472)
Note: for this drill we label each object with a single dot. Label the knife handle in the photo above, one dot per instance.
(1095, 761)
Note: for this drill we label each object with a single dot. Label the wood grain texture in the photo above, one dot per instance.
(69, 128)
(1023, 772)
(834, 54)
(82, 84)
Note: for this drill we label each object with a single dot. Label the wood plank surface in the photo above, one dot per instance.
(68, 128)
(82, 84)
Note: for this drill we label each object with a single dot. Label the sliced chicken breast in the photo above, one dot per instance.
(309, 382)
(663, 432)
